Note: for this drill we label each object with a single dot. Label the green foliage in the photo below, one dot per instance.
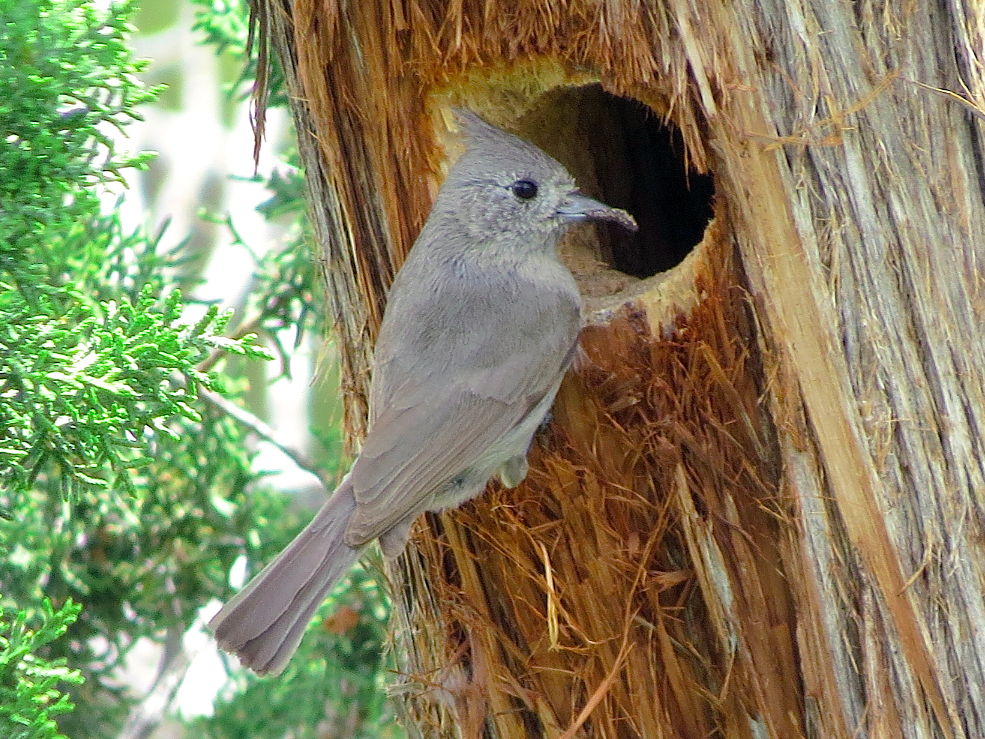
(115, 479)
(29, 694)
(285, 290)
(122, 487)
(95, 357)
(285, 285)
(86, 390)
(66, 74)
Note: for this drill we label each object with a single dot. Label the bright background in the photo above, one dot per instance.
(204, 173)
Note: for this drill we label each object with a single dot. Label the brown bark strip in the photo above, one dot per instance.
(773, 457)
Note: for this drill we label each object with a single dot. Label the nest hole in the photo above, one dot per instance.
(620, 152)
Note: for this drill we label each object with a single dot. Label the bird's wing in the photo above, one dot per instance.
(422, 440)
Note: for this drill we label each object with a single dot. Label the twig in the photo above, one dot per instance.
(267, 433)
(148, 714)
(253, 326)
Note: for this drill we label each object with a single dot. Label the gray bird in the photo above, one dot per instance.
(481, 325)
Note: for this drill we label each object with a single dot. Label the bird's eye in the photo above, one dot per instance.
(524, 189)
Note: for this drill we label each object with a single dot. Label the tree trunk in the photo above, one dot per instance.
(759, 508)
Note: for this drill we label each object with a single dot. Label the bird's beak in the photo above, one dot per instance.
(580, 207)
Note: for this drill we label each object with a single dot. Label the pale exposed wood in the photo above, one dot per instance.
(760, 508)
(870, 283)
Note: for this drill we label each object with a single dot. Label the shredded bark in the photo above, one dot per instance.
(759, 508)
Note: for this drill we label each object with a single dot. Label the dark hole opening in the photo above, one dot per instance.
(621, 153)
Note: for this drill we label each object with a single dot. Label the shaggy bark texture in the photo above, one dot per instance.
(759, 508)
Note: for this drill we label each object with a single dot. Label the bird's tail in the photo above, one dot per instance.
(263, 624)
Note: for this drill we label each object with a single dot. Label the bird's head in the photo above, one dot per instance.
(504, 189)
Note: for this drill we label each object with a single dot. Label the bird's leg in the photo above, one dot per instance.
(513, 470)
(394, 539)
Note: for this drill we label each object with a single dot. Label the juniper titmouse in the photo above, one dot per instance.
(481, 324)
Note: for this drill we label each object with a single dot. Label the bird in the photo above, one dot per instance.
(481, 324)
